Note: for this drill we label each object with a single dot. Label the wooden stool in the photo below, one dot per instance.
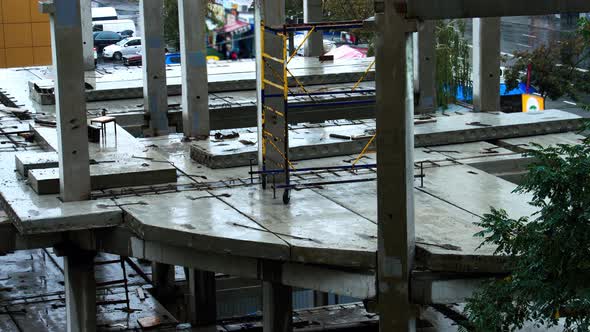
(103, 120)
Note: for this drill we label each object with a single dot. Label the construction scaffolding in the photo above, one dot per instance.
(276, 90)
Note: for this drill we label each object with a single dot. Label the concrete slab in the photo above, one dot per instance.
(318, 230)
(522, 144)
(309, 143)
(126, 82)
(481, 126)
(33, 214)
(317, 142)
(475, 191)
(444, 233)
(41, 160)
(467, 150)
(122, 143)
(117, 174)
(201, 221)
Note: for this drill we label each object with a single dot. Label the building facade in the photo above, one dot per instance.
(25, 38)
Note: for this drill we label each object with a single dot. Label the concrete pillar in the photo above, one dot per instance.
(320, 299)
(193, 52)
(425, 67)
(80, 288)
(155, 92)
(203, 302)
(87, 38)
(163, 278)
(395, 171)
(70, 101)
(312, 12)
(486, 64)
(272, 12)
(277, 307)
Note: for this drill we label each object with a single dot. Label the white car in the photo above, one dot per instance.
(127, 46)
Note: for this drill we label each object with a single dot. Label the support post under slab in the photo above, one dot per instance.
(425, 67)
(163, 279)
(312, 13)
(155, 92)
(395, 144)
(195, 94)
(203, 303)
(277, 306)
(486, 64)
(80, 287)
(70, 100)
(320, 299)
(87, 37)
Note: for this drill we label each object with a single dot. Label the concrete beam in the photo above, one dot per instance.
(425, 67)
(193, 52)
(87, 37)
(312, 13)
(486, 64)
(429, 288)
(203, 303)
(155, 93)
(80, 291)
(72, 128)
(121, 241)
(395, 171)
(277, 307)
(434, 9)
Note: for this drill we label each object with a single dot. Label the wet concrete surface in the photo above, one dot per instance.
(32, 296)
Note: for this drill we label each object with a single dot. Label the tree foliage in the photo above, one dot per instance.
(549, 253)
(453, 69)
(171, 21)
(554, 66)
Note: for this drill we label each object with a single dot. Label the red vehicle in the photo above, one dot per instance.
(132, 60)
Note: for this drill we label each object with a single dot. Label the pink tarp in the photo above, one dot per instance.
(347, 52)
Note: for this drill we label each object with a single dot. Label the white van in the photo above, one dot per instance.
(124, 27)
(104, 14)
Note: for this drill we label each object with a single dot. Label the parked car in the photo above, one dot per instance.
(105, 38)
(124, 47)
(132, 60)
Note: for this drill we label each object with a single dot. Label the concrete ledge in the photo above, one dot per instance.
(108, 175)
(317, 142)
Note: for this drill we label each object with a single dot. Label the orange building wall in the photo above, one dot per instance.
(25, 38)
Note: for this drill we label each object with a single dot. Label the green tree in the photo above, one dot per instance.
(554, 67)
(453, 69)
(171, 27)
(548, 253)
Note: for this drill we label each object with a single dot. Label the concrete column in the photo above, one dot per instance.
(275, 137)
(486, 64)
(70, 101)
(203, 302)
(87, 38)
(320, 299)
(395, 171)
(155, 92)
(277, 307)
(193, 52)
(163, 278)
(80, 288)
(312, 12)
(425, 67)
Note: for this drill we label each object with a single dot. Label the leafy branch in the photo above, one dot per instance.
(549, 253)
